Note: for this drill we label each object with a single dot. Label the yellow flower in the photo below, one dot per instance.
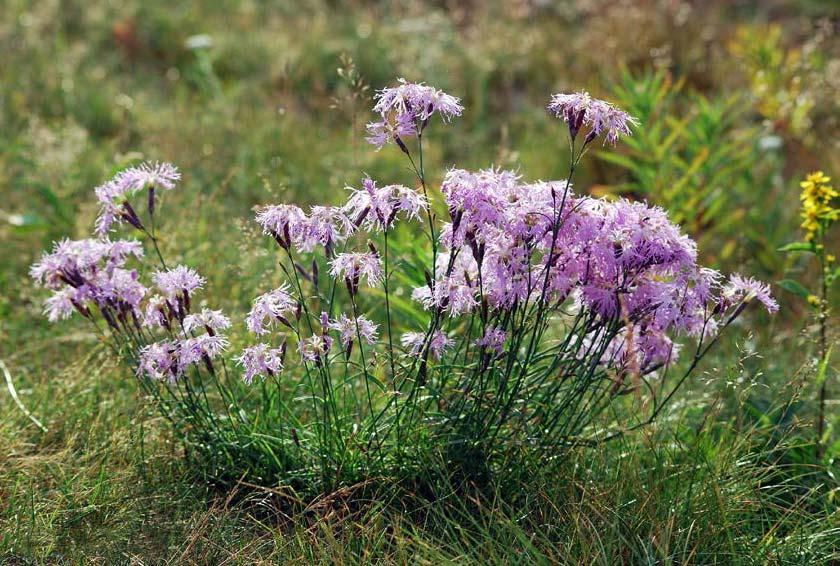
(816, 199)
(813, 300)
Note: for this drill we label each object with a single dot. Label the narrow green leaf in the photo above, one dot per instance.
(794, 287)
(798, 247)
(823, 369)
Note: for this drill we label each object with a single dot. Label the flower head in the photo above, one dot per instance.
(493, 339)
(349, 328)
(405, 111)
(377, 207)
(276, 306)
(203, 347)
(354, 266)
(579, 109)
(314, 348)
(157, 312)
(179, 280)
(211, 320)
(113, 195)
(745, 289)
(817, 209)
(437, 345)
(283, 222)
(60, 304)
(159, 361)
(326, 226)
(260, 360)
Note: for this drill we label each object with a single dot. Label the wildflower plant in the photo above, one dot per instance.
(534, 311)
(818, 214)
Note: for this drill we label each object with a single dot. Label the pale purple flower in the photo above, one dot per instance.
(347, 329)
(283, 222)
(417, 99)
(118, 288)
(73, 261)
(156, 312)
(159, 361)
(180, 279)
(314, 348)
(200, 348)
(85, 271)
(150, 174)
(493, 339)
(353, 266)
(276, 306)
(113, 195)
(579, 109)
(260, 360)
(405, 111)
(326, 226)
(377, 207)
(383, 131)
(415, 341)
(60, 305)
(108, 214)
(634, 350)
(212, 321)
(746, 289)
(453, 294)
(118, 251)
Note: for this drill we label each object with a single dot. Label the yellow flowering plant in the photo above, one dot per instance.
(818, 214)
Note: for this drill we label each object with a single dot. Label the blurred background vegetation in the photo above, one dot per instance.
(262, 102)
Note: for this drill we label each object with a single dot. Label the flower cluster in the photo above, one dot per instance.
(510, 243)
(113, 196)
(261, 360)
(579, 109)
(405, 110)
(349, 329)
(817, 209)
(86, 274)
(376, 208)
(510, 252)
(351, 267)
(289, 226)
(169, 360)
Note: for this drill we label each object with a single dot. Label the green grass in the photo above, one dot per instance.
(727, 477)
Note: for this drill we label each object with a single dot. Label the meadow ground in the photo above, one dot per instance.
(259, 104)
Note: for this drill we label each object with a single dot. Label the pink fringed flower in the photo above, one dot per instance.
(113, 195)
(159, 361)
(260, 360)
(352, 267)
(414, 342)
(212, 321)
(276, 306)
(377, 207)
(746, 289)
(347, 329)
(284, 222)
(493, 339)
(405, 111)
(579, 109)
